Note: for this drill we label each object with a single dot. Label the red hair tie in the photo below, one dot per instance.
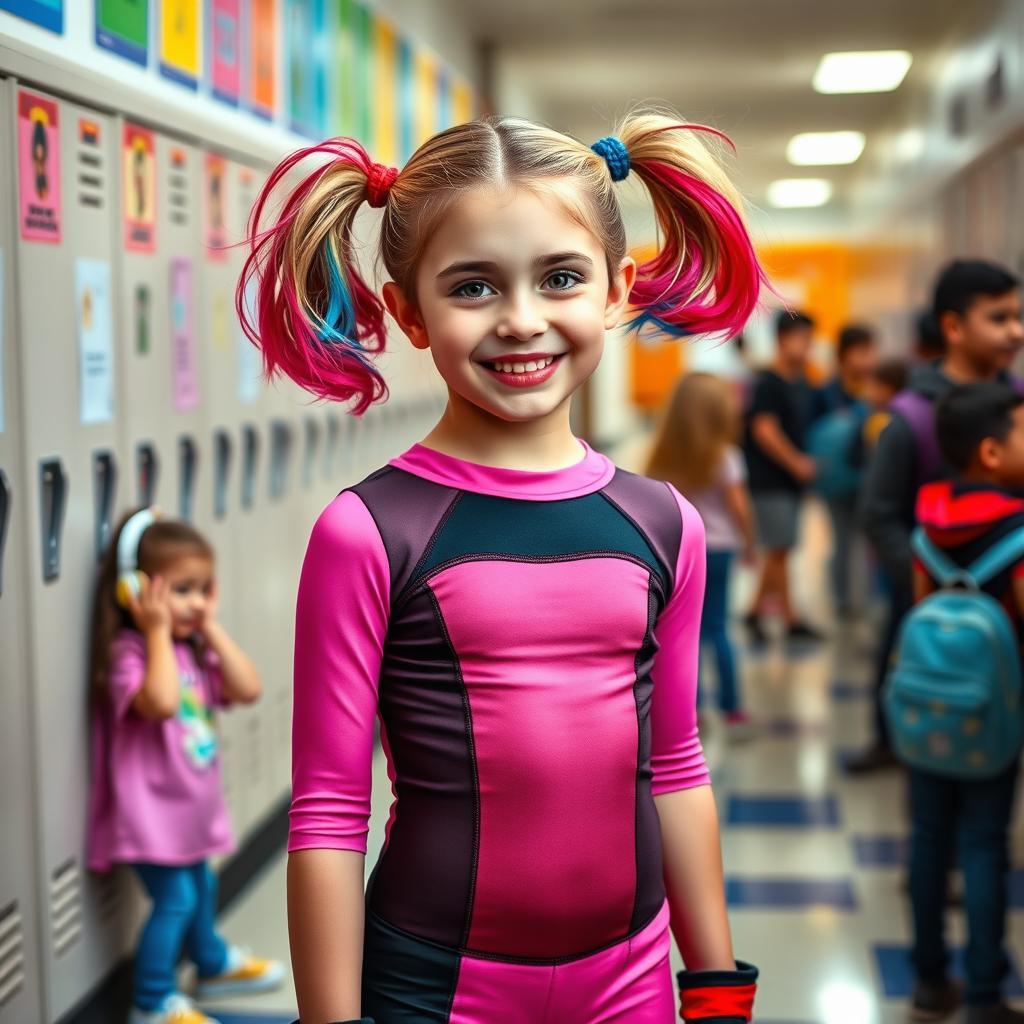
(379, 180)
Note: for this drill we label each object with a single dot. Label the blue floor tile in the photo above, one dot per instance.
(880, 851)
(246, 1017)
(783, 812)
(794, 893)
(897, 977)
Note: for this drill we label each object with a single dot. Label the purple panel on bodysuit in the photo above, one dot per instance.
(548, 656)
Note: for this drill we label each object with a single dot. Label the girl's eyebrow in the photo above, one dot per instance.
(487, 267)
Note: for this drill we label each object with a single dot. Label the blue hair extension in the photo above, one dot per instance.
(340, 326)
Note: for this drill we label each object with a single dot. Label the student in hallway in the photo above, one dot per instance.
(956, 816)
(697, 451)
(978, 308)
(780, 412)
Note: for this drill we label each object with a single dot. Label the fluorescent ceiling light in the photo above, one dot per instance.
(812, 149)
(863, 71)
(794, 192)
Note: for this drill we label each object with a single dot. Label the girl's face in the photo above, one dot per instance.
(513, 298)
(190, 590)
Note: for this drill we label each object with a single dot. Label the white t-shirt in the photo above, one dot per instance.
(722, 532)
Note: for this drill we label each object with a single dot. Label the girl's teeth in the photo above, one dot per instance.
(529, 367)
(518, 367)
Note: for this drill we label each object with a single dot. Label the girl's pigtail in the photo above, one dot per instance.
(705, 278)
(300, 298)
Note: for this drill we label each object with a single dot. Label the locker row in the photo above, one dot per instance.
(125, 380)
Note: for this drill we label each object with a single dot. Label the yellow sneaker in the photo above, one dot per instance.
(175, 1009)
(243, 975)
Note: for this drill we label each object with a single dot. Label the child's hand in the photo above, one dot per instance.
(209, 617)
(151, 610)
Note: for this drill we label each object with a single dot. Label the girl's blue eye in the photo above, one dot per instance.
(473, 290)
(563, 280)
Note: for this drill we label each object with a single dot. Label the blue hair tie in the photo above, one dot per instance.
(615, 154)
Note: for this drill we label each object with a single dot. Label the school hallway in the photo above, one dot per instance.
(813, 858)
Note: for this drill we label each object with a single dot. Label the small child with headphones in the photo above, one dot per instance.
(160, 665)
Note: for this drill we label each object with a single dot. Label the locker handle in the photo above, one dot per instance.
(147, 469)
(221, 472)
(312, 439)
(250, 461)
(280, 456)
(53, 499)
(104, 487)
(188, 460)
(5, 518)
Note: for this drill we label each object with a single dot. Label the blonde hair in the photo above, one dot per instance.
(700, 421)
(319, 322)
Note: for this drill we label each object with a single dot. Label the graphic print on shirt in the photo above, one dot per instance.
(196, 717)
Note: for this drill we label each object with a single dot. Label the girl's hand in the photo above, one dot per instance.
(209, 617)
(151, 610)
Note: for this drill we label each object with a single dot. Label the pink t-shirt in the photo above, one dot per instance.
(722, 532)
(156, 795)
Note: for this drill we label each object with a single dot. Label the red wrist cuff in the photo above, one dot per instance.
(714, 1002)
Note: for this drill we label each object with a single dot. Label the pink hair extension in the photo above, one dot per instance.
(320, 327)
(706, 279)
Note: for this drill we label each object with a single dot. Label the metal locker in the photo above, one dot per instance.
(20, 971)
(65, 325)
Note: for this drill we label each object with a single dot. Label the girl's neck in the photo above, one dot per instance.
(465, 431)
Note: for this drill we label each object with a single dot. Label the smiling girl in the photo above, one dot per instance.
(521, 615)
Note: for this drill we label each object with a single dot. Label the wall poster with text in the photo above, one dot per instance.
(138, 166)
(39, 168)
(179, 41)
(122, 26)
(226, 50)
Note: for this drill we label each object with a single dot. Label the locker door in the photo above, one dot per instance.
(20, 981)
(65, 309)
(166, 456)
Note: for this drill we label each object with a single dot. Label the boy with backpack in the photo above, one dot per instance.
(953, 700)
(978, 309)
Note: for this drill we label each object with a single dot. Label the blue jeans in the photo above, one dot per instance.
(184, 908)
(714, 628)
(977, 813)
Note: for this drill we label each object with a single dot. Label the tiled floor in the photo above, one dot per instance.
(813, 859)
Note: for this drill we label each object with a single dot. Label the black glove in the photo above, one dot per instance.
(718, 997)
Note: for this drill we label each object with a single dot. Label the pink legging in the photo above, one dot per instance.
(630, 983)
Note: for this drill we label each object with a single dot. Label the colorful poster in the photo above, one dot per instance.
(308, 41)
(363, 23)
(225, 49)
(385, 78)
(262, 67)
(39, 168)
(426, 96)
(349, 70)
(48, 13)
(406, 100)
(184, 376)
(249, 363)
(122, 26)
(139, 187)
(95, 341)
(215, 183)
(462, 102)
(179, 41)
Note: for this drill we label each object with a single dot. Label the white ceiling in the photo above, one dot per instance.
(744, 66)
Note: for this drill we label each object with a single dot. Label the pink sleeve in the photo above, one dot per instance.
(677, 759)
(340, 622)
(127, 670)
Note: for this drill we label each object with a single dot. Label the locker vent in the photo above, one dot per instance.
(91, 172)
(109, 892)
(178, 198)
(12, 953)
(66, 906)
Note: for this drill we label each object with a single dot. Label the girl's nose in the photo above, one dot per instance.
(521, 319)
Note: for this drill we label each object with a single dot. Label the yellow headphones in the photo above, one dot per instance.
(129, 578)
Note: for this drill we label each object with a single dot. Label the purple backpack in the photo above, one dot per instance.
(919, 413)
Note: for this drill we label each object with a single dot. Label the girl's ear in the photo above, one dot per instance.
(619, 287)
(407, 315)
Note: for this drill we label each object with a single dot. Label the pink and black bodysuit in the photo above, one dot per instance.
(529, 642)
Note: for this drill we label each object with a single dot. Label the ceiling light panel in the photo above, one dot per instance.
(816, 149)
(862, 71)
(791, 193)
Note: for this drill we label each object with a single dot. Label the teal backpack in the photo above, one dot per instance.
(953, 697)
(831, 442)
